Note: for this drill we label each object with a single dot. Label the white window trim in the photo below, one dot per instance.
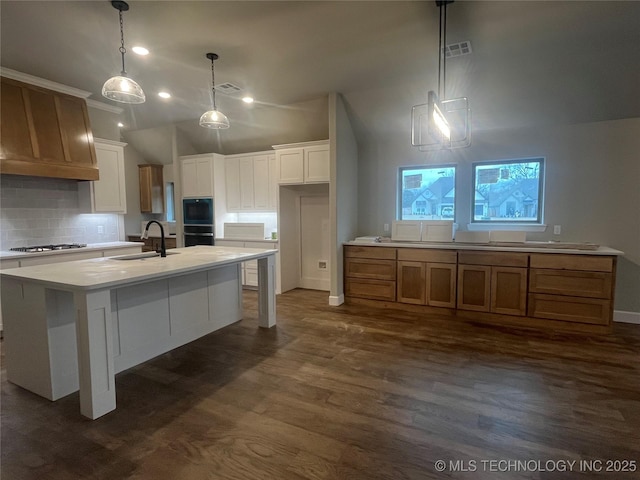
(506, 227)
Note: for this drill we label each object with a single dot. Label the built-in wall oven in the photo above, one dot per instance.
(198, 220)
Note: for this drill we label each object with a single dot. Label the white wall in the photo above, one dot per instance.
(592, 184)
(344, 190)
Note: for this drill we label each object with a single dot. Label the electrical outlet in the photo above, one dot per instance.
(322, 264)
(557, 229)
(100, 229)
(386, 227)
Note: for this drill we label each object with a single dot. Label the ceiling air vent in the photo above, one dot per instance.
(457, 49)
(228, 88)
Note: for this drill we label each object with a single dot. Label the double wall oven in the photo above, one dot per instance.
(199, 221)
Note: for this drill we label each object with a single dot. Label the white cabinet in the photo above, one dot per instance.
(232, 183)
(197, 175)
(303, 163)
(246, 183)
(291, 165)
(273, 183)
(251, 182)
(250, 268)
(107, 195)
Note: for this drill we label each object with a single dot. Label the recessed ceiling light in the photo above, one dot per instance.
(140, 50)
(120, 124)
(164, 94)
(247, 99)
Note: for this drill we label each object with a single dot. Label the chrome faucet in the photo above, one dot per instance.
(145, 234)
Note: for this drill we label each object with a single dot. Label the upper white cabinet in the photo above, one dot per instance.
(108, 194)
(303, 162)
(197, 175)
(250, 182)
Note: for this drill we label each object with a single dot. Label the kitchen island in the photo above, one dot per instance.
(73, 326)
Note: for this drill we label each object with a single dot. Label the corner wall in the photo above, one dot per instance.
(343, 195)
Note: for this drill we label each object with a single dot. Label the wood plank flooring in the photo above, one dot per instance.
(350, 392)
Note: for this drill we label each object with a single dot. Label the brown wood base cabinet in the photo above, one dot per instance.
(493, 282)
(427, 277)
(370, 272)
(572, 291)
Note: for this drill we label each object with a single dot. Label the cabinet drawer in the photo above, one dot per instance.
(371, 289)
(351, 251)
(368, 268)
(570, 309)
(500, 259)
(572, 262)
(569, 282)
(427, 255)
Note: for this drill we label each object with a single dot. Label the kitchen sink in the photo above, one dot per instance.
(142, 256)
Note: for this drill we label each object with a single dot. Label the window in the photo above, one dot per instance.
(508, 191)
(427, 193)
(171, 213)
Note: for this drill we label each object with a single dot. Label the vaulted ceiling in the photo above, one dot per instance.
(532, 62)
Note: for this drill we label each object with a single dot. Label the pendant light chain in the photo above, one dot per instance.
(213, 85)
(444, 56)
(122, 49)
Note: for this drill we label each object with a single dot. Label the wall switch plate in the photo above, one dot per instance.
(386, 227)
(557, 229)
(322, 264)
(100, 229)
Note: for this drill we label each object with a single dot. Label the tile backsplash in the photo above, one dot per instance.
(37, 211)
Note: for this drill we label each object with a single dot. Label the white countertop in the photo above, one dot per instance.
(91, 246)
(263, 240)
(528, 247)
(108, 272)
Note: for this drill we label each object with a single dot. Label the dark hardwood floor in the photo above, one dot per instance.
(348, 392)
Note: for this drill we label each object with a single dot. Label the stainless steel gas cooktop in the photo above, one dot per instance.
(47, 248)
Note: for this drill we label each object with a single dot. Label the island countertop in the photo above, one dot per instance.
(526, 247)
(98, 273)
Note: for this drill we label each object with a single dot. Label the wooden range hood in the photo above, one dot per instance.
(45, 133)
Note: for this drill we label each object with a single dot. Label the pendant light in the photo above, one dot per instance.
(441, 123)
(121, 88)
(214, 118)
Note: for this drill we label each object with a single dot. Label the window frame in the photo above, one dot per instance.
(509, 222)
(426, 167)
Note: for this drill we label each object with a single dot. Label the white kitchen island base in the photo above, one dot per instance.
(63, 337)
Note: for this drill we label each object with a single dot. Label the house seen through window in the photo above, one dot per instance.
(427, 193)
(508, 191)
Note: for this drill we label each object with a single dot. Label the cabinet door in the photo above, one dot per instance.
(204, 177)
(291, 166)
(474, 287)
(316, 164)
(509, 290)
(189, 178)
(109, 193)
(261, 181)
(232, 183)
(273, 184)
(411, 283)
(151, 188)
(441, 285)
(246, 183)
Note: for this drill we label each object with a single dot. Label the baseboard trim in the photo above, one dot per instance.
(336, 301)
(626, 317)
